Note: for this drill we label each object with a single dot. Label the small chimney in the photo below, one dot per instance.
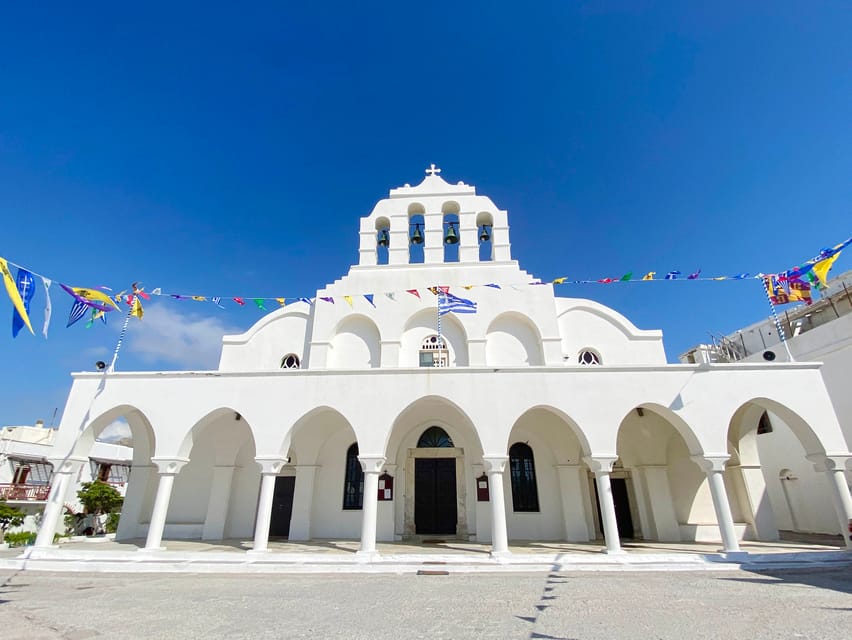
(39, 424)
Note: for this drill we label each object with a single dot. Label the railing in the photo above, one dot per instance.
(24, 491)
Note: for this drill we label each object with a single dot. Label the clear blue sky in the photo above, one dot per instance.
(219, 150)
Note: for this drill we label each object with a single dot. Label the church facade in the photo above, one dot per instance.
(364, 414)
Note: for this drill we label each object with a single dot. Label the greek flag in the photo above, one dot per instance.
(448, 303)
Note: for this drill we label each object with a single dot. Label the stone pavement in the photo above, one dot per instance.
(814, 603)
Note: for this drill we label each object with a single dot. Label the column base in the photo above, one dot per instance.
(368, 556)
(257, 552)
(734, 556)
(500, 555)
(614, 552)
(150, 549)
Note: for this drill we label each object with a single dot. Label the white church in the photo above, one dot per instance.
(356, 415)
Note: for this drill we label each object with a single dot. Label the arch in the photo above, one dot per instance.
(450, 224)
(428, 411)
(423, 324)
(141, 432)
(356, 344)
(667, 493)
(690, 438)
(563, 454)
(309, 432)
(746, 420)
(450, 207)
(513, 339)
(416, 208)
(291, 361)
(433, 438)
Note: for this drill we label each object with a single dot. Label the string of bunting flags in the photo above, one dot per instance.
(793, 285)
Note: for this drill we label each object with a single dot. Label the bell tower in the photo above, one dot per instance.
(434, 223)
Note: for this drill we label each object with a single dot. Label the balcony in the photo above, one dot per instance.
(24, 492)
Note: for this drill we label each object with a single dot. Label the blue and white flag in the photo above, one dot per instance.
(672, 275)
(26, 289)
(448, 303)
(217, 300)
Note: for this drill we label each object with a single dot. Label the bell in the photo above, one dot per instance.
(384, 239)
(417, 236)
(451, 236)
(484, 236)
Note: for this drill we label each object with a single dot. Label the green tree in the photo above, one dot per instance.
(9, 517)
(99, 498)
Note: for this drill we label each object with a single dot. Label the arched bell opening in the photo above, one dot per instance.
(451, 237)
(485, 233)
(416, 234)
(382, 240)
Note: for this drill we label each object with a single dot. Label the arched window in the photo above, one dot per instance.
(433, 352)
(434, 437)
(353, 484)
(587, 356)
(522, 470)
(290, 361)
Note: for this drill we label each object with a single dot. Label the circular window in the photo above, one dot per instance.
(588, 357)
(290, 361)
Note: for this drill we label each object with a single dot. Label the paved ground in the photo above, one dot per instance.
(782, 604)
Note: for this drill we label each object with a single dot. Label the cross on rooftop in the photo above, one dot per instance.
(432, 170)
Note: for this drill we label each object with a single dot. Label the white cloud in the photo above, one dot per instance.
(115, 431)
(178, 336)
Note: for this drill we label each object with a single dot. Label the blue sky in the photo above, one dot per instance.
(213, 150)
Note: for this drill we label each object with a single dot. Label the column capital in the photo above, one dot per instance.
(600, 464)
(270, 465)
(372, 464)
(169, 466)
(711, 462)
(829, 462)
(495, 464)
(66, 464)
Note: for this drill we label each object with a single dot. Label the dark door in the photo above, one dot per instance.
(435, 495)
(282, 506)
(622, 507)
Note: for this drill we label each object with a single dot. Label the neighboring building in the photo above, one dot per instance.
(26, 474)
(535, 418)
(820, 332)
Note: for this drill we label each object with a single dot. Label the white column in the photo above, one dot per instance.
(64, 470)
(168, 468)
(372, 466)
(602, 467)
(433, 232)
(834, 467)
(218, 503)
(270, 466)
(714, 466)
(494, 467)
(303, 498)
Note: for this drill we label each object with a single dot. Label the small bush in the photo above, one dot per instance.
(21, 538)
(111, 525)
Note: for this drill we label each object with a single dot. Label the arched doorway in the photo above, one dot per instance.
(435, 484)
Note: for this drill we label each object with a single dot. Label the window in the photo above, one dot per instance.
(522, 471)
(587, 356)
(434, 437)
(30, 472)
(764, 425)
(109, 472)
(433, 352)
(290, 361)
(353, 484)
